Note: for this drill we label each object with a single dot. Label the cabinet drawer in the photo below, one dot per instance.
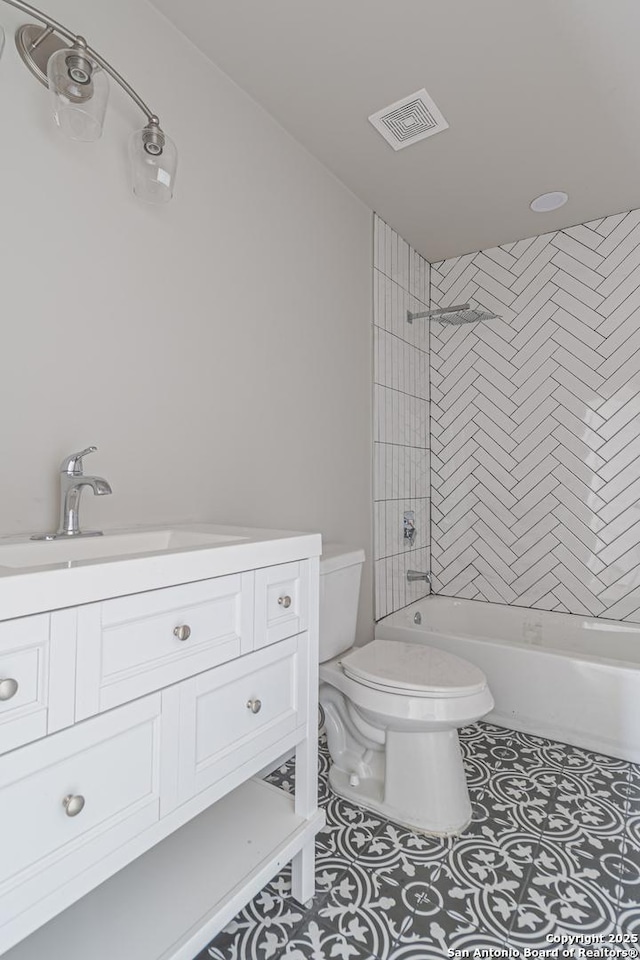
(281, 602)
(23, 680)
(230, 716)
(133, 645)
(112, 764)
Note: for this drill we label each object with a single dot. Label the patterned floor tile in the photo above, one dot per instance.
(348, 830)
(482, 747)
(399, 855)
(633, 790)
(514, 800)
(477, 887)
(553, 847)
(259, 932)
(628, 949)
(440, 947)
(629, 901)
(329, 867)
(590, 832)
(367, 910)
(313, 940)
(284, 776)
(430, 929)
(324, 791)
(484, 733)
(267, 923)
(629, 919)
(598, 776)
(525, 752)
(417, 951)
(561, 897)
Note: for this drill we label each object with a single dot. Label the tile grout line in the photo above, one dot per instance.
(530, 871)
(627, 814)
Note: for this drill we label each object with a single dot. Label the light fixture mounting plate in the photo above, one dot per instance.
(36, 55)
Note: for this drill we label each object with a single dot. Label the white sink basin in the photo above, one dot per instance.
(43, 553)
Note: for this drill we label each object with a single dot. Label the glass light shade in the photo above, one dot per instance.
(154, 160)
(79, 92)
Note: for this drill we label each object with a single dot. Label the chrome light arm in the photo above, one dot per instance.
(52, 25)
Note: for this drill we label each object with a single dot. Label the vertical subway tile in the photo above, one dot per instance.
(401, 375)
(388, 303)
(377, 241)
(393, 263)
(404, 264)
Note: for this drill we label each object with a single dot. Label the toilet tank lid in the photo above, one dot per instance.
(337, 556)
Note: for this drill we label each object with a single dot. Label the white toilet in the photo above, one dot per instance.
(392, 712)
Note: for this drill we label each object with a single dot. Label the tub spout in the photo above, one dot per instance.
(413, 575)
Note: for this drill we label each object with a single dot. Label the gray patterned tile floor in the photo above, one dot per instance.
(553, 850)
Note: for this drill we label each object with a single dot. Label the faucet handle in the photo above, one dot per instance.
(72, 465)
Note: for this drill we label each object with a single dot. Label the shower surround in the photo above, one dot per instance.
(532, 483)
(401, 418)
(535, 423)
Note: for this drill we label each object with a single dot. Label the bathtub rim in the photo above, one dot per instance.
(596, 737)
(507, 644)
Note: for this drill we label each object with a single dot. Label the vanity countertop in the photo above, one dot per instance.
(37, 576)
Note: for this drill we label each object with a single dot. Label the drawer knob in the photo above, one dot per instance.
(254, 705)
(183, 632)
(8, 689)
(73, 805)
(284, 602)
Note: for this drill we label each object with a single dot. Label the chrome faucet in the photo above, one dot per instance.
(72, 480)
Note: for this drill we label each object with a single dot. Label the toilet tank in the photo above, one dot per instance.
(340, 573)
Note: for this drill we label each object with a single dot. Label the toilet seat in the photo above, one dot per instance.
(412, 669)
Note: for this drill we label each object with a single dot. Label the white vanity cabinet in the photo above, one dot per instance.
(37, 669)
(128, 753)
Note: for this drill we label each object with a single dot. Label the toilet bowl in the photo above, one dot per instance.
(392, 712)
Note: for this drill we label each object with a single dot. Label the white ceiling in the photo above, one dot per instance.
(540, 95)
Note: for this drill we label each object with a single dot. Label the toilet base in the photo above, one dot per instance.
(421, 784)
(368, 797)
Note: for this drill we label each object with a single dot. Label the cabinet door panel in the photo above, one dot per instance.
(24, 658)
(71, 798)
(231, 715)
(281, 605)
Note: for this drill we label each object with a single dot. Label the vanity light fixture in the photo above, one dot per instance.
(78, 80)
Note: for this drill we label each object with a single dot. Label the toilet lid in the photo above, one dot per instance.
(413, 668)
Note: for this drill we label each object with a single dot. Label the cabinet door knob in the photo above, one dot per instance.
(254, 705)
(284, 602)
(73, 805)
(8, 689)
(183, 632)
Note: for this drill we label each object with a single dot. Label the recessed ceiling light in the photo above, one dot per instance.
(549, 201)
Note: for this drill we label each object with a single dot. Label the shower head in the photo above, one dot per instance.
(455, 315)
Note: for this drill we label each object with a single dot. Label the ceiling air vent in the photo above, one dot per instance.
(408, 120)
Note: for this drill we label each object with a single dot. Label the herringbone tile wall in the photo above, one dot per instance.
(535, 423)
(401, 419)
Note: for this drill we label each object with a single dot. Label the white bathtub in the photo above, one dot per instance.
(570, 678)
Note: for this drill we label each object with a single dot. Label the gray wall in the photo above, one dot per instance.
(217, 350)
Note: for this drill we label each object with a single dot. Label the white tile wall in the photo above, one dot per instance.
(401, 418)
(535, 468)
